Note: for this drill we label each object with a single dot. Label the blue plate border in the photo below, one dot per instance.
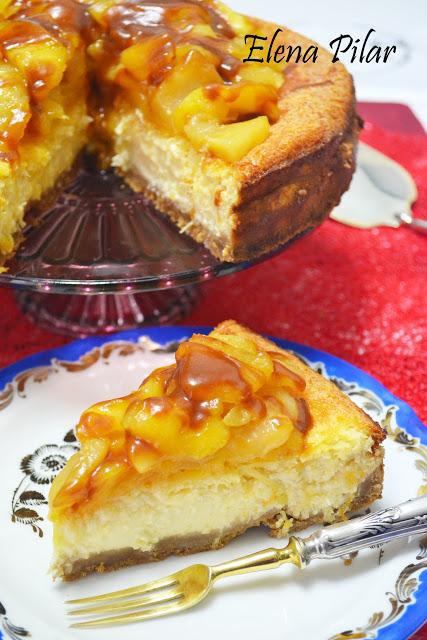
(415, 614)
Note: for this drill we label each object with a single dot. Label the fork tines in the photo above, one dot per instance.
(159, 592)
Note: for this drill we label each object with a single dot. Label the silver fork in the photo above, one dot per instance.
(187, 587)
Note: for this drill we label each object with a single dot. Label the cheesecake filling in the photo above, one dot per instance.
(203, 188)
(170, 515)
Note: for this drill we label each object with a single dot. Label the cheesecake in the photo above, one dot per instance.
(236, 433)
(243, 156)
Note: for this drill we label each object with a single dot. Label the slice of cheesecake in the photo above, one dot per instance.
(235, 434)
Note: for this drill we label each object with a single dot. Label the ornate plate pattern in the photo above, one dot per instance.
(40, 400)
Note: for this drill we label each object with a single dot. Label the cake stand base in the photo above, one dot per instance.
(83, 315)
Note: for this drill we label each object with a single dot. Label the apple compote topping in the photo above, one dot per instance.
(225, 399)
(178, 61)
(181, 63)
(38, 38)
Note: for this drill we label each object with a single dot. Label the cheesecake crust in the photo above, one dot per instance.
(369, 490)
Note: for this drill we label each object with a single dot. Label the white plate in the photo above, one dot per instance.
(381, 594)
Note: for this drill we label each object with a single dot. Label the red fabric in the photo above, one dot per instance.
(361, 295)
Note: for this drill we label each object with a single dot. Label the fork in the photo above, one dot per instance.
(188, 587)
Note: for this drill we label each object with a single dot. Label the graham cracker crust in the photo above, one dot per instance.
(369, 490)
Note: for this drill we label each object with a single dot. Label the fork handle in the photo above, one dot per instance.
(377, 528)
(418, 224)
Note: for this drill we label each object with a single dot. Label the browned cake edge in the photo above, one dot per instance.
(369, 491)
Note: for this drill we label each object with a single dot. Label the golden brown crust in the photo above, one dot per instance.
(292, 181)
(308, 192)
(323, 393)
(369, 491)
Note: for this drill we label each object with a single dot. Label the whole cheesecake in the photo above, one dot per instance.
(243, 156)
(237, 433)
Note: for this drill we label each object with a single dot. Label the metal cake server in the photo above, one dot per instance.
(381, 194)
(190, 586)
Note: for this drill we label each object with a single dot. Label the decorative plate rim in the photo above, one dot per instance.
(412, 617)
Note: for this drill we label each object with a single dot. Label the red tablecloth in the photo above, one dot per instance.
(361, 295)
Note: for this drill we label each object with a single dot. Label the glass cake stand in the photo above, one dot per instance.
(99, 258)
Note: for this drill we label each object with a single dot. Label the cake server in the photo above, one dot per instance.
(190, 586)
(381, 194)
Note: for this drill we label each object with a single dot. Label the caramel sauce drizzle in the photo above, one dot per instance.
(123, 25)
(132, 21)
(182, 407)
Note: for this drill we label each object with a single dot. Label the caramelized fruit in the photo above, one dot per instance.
(193, 76)
(223, 397)
(180, 62)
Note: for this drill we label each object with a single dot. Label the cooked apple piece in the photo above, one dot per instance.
(231, 142)
(142, 455)
(183, 49)
(7, 9)
(238, 416)
(238, 22)
(198, 128)
(154, 385)
(244, 351)
(14, 107)
(288, 402)
(107, 476)
(260, 74)
(149, 59)
(42, 64)
(71, 483)
(99, 8)
(42, 119)
(284, 375)
(182, 15)
(202, 389)
(204, 30)
(255, 368)
(102, 418)
(195, 71)
(249, 98)
(260, 437)
(207, 112)
(211, 436)
(157, 421)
